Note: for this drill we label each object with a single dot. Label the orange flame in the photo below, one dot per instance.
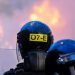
(45, 13)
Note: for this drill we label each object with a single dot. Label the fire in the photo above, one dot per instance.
(34, 17)
(46, 13)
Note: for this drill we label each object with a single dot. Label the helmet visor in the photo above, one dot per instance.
(18, 53)
(37, 60)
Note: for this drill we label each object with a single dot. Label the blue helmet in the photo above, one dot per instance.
(37, 27)
(34, 35)
(64, 46)
(59, 48)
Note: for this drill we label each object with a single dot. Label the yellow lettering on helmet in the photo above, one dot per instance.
(38, 37)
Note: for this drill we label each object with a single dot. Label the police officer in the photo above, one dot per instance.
(61, 57)
(33, 41)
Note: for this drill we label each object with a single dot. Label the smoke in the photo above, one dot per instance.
(1, 31)
(59, 15)
(8, 7)
(67, 9)
(13, 14)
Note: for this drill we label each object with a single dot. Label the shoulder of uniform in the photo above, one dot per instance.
(10, 72)
(19, 69)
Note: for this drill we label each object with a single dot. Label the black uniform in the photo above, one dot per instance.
(20, 70)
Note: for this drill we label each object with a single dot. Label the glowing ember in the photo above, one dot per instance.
(34, 17)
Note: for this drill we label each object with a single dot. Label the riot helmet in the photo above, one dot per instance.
(64, 46)
(33, 41)
(61, 52)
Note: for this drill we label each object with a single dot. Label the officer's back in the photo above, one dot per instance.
(33, 41)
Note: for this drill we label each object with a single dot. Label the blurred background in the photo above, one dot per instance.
(59, 15)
